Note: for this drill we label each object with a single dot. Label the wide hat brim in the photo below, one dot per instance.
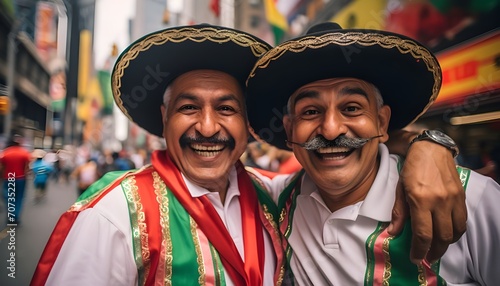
(144, 70)
(406, 73)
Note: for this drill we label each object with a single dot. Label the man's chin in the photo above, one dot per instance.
(209, 178)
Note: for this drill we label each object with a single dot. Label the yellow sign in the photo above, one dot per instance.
(4, 105)
(362, 14)
(471, 68)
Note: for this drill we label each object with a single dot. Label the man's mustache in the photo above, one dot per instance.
(341, 141)
(187, 140)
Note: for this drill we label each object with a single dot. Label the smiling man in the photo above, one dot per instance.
(203, 114)
(332, 158)
(191, 217)
(344, 90)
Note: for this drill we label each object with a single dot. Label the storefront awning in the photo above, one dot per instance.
(470, 69)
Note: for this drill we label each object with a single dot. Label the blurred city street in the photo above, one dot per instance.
(29, 238)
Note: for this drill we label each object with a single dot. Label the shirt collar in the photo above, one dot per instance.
(380, 199)
(232, 191)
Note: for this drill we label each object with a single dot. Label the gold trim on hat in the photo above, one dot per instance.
(197, 35)
(404, 46)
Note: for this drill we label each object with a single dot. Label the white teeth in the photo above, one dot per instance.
(207, 151)
(206, 154)
(215, 148)
(333, 150)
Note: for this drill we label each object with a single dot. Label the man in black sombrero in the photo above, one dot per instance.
(193, 216)
(343, 90)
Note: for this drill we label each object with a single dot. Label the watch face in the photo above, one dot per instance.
(441, 137)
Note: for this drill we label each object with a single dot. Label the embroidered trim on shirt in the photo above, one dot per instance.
(166, 256)
(139, 228)
(197, 248)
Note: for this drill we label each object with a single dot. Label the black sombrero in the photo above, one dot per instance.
(407, 74)
(143, 71)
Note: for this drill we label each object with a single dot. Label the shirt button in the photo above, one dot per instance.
(330, 221)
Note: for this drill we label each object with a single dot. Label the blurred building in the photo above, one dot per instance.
(150, 16)
(24, 72)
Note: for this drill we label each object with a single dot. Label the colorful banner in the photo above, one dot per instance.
(470, 68)
(90, 100)
(362, 14)
(46, 30)
(84, 62)
(57, 90)
(107, 94)
(89, 105)
(277, 20)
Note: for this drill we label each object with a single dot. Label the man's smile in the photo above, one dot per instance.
(333, 153)
(207, 151)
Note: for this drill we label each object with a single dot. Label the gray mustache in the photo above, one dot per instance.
(341, 141)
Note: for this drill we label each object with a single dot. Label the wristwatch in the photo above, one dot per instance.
(439, 138)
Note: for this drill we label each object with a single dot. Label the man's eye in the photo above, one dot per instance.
(351, 109)
(226, 108)
(310, 112)
(187, 107)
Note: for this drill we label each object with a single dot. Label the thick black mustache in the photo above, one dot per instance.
(186, 140)
(341, 141)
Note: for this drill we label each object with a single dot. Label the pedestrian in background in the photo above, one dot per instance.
(41, 170)
(85, 174)
(14, 165)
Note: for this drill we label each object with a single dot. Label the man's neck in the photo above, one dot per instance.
(221, 189)
(350, 197)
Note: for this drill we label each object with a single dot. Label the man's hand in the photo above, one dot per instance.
(436, 201)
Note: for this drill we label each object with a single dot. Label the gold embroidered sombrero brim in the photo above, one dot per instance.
(143, 71)
(406, 73)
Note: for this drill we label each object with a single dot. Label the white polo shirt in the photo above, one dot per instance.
(329, 248)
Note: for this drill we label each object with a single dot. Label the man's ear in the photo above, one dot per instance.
(163, 117)
(163, 111)
(287, 124)
(384, 116)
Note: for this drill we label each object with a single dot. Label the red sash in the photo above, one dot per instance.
(201, 210)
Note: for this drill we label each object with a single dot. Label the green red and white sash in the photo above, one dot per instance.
(388, 260)
(176, 236)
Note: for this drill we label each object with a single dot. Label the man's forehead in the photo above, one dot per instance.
(206, 73)
(336, 83)
(342, 85)
(205, 81)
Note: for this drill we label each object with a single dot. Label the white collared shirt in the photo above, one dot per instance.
(329, 248)
(98, 249)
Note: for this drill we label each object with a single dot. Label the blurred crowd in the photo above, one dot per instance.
(270, 160)
(83, 163)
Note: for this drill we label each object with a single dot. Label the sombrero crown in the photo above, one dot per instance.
(144, 70)
(406, 73)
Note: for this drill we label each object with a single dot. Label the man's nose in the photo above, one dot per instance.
(333, 125)
(208, 125)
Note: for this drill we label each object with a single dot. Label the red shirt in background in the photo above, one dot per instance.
(289, 166)
(15, 159)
